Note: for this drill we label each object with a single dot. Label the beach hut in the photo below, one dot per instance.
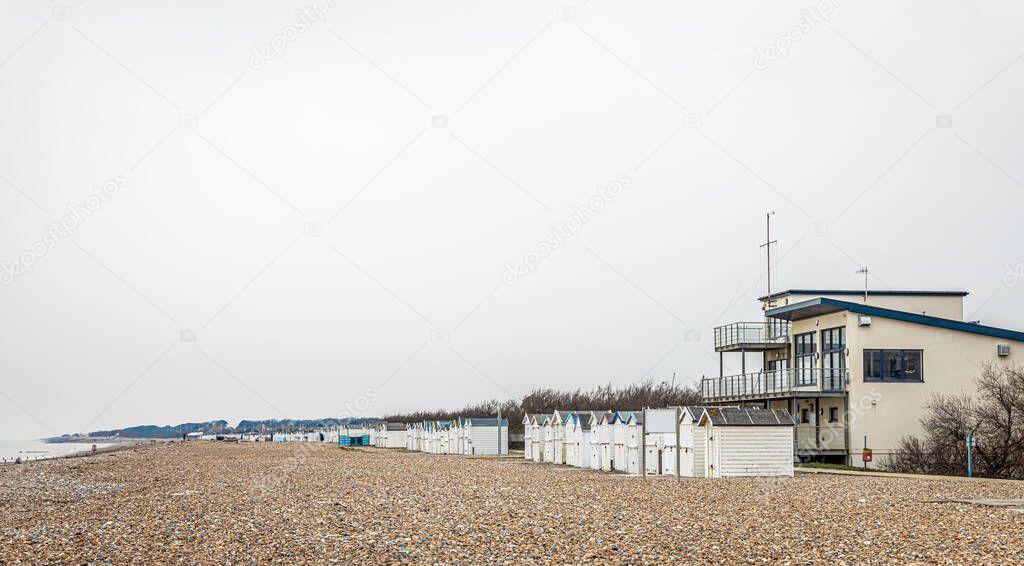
(606, 440)
(391, 435)
(594, 441)
(633, 441)
(537, 421)
(692, 451)
(456, 440)
(559, 422)
(486, 435)
(548, 434)
(660, 441)
(577, 439)
(527, 435)
(413, 436)
(747, 442)
(618, 428)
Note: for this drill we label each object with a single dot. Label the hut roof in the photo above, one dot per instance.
(735, 416)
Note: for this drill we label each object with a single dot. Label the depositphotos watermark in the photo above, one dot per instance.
(564, 231)
(65, 228)
(1014, 274)
(809, 19)
(275, 48)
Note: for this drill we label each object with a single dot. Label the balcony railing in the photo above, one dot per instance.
(768, 333)
(825, 437)
(774, 383)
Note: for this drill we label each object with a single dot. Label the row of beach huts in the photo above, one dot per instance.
(712, 442)
(691, 441)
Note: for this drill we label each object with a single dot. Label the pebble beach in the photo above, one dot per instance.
(262, 503)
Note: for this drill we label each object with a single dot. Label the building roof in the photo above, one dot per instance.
(485, 421)
(823, 305)
(695, 411)
(394, 426)
(878, 293)
(735, 416)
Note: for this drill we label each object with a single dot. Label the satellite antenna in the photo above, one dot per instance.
(767, 245)
(865, 270)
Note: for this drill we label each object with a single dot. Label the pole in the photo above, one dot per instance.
(865, 450)
(970, 446)
(679, 416)
(768, 247)
(499, 430)
(643, 443)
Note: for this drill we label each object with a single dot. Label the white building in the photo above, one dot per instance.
(855, 366)
(747, 442)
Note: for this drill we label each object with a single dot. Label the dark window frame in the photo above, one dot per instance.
(884, 373)
(833, 414)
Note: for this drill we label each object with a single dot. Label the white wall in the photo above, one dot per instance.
(738, 451)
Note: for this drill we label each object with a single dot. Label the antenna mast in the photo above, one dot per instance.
(864, 270)
(767, 245)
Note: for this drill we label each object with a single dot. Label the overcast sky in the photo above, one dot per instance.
(253, 210)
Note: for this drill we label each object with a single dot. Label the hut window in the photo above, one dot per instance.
(833, 414)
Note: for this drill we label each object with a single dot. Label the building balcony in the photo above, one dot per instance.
(774, 384)
(768, 334)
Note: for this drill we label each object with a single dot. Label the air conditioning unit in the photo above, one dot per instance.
(1003, 349)
(864, 321)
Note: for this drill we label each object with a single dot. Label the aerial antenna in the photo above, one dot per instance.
(767, 245)
(864, 270)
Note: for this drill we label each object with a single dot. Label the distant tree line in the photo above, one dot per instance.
(995, 417)
(545, 400)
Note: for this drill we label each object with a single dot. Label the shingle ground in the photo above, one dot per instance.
(205, 502)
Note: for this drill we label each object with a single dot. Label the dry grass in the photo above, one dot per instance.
(215, 503)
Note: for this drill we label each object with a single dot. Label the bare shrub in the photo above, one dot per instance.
(995, 417)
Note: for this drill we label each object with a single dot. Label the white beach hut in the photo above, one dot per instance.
(578, 439)
(548, 434)
(528, 436)
(692, 451)
(618, 428)
(606, 440)
(561, 423)
(537, 437)
(486, 436)
(594, 442)
(747, 442)
(660, 441)
(391, 435)
(634, 442)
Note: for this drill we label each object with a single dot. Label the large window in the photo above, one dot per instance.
(804, 358)
(893, 365)
(833, 357)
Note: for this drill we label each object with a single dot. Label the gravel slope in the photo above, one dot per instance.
(204, 502)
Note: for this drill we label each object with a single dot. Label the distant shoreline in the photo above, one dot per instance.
(115, 445)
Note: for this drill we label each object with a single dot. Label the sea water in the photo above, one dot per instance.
(11, 450)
